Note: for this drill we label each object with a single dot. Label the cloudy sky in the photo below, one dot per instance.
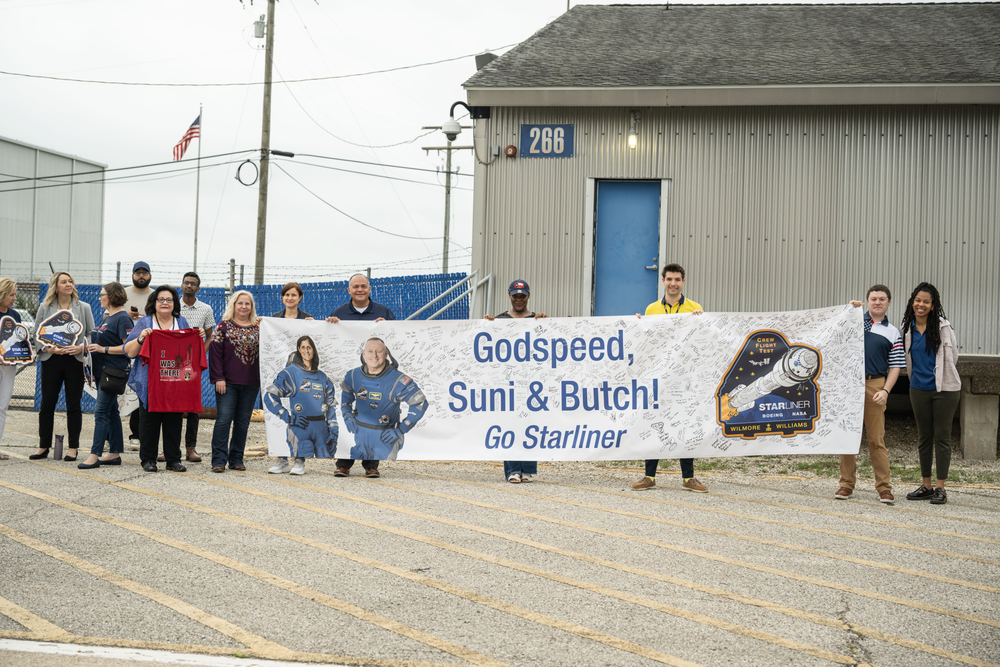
(351, 118)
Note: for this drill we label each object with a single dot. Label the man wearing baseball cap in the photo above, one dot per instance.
(135, 305)
(517, 472)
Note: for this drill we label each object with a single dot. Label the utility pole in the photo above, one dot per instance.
(447, 187)
(265, 148)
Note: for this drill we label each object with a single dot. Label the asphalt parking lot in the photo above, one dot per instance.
(446, 564)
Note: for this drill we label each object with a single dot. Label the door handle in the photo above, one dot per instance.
(653, 267)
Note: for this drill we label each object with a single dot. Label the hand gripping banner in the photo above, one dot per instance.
(676, 386)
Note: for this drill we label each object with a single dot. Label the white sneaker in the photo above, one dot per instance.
(281, 467)
(526, 478)
(515, 478)
(299, 469)
(133, 444)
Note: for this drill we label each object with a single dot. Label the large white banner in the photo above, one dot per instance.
(677, 386)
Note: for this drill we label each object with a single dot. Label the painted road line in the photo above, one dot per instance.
(275, 650)
(35, 624)
(199, 652)
(738, 515)
(693, 552)
(248, 639)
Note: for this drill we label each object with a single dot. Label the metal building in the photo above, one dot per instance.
(788, 156)
(51, 210)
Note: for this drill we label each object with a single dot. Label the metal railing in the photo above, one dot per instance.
(470, 292)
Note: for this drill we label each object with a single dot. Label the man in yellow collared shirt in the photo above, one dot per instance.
(673, 302)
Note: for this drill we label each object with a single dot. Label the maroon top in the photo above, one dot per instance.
(234, 354)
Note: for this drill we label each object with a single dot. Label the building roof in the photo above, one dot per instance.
(680, 46)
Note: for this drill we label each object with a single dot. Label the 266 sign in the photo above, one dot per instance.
(546, 140)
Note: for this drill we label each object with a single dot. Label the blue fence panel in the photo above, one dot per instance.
(402, 294)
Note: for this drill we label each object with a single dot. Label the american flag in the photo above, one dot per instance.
(192, 132)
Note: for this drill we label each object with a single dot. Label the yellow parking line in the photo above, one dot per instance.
(244, 637)
(37, 626)
(275, 650)
(788, 524)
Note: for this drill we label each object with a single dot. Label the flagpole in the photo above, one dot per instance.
(197, 187)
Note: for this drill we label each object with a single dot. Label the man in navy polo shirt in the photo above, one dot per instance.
(883, 359)
(360, 307)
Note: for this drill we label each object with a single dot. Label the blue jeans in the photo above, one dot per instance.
(107, 424)
(523, 467)
(235, 408)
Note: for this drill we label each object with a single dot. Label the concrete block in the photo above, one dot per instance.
(979, 414)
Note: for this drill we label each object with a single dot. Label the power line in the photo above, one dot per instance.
(61, 184)
(377, 164)
(251, 83)
(348, 215)
(365, 173)
(141, 166)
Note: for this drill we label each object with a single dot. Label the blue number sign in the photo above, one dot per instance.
(546, 140)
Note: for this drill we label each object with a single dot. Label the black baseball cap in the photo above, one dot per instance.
(140, 265)
(518, 287)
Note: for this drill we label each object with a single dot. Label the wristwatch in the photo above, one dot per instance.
(105, 349)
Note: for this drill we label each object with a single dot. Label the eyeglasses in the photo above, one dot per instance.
(103, 294)
(164, 301)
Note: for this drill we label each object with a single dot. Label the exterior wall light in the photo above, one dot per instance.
(633, 136)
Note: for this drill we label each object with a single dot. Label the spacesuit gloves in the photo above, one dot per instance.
(298, 421)
(392, 436)
(350, 423)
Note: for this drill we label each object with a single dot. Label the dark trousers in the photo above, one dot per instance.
(57, 371)
(367, 465)
(150, 424)
(687, 467)
(191, 432)
(934, 412)
(134, 427)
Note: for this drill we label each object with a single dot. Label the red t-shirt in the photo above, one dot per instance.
(176, 359)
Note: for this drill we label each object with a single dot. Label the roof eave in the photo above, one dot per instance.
(723, 96)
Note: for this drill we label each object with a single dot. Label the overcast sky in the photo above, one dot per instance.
(211, 41)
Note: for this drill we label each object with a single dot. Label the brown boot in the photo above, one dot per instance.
(192, 455)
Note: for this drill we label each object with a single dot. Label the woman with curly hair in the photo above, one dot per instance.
(935, 387)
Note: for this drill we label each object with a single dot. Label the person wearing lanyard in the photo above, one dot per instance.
(935, 386)
(163, 311)
(108, 349)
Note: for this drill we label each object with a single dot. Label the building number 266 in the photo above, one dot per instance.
(547, 140)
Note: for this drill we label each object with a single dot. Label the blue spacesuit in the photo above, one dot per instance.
(370, 406)
(311, 416)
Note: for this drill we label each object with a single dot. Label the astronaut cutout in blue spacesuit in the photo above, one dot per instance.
(370, 404)
(311, 415)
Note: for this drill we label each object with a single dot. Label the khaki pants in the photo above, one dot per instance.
(875, 430)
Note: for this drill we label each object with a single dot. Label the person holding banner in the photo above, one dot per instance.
(935, 386)
(234, 367)
(883, 360)
(359, 308)
(291, 296)
(62, 366)
(673, 302)
(312, 408)
(379, 389)
(516, 472)
(108, 350)
(8, 294)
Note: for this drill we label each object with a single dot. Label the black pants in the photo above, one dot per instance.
(367, 465)
(57, 371)
(687, 467)
(135, 430)
(191, 432)
(149, 434)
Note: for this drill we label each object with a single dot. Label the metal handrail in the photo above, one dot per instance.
(444, 294)
(472, 299)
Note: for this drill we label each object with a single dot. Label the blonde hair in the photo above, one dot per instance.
(52, 294)
(231, 306)
(7, 287)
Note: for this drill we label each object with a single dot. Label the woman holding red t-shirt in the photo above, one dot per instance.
(163, 311)
(234, 367)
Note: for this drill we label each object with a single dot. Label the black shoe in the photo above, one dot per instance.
(43, 455)
(149, 466)
(176, 466)
(922, 493)
(88, 466)
(111, 462)
(940, 497)
(69, 458)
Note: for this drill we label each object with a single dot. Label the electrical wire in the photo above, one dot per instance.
(365, 173)
(377, 164)
(251, 83)
(60, 184)
(348, 215)
(141, 166)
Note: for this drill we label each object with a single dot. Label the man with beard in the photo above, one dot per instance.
(135, 306)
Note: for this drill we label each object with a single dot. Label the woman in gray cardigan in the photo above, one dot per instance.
(62, 366)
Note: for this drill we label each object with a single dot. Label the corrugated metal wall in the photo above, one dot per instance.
(63, 224)
(770, 208)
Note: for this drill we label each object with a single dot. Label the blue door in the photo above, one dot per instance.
(626, 246)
